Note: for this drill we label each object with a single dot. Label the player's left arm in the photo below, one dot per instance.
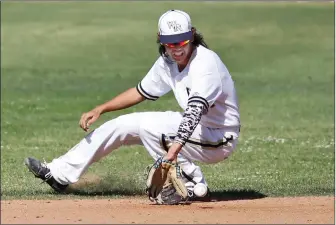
(206, 87)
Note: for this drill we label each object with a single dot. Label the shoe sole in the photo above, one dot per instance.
(27, 163)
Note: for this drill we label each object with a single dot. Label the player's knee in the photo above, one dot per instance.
(219, 156)
(218, 159)
(149, 129)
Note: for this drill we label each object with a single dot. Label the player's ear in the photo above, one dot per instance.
(158, 38)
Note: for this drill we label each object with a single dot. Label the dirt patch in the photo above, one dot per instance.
(302, 210)
(86, 180)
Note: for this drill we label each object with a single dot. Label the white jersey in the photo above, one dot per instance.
(205, 76)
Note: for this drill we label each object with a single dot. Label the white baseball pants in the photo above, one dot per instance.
(146, 129)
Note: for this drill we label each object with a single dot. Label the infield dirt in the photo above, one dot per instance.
(299, 210)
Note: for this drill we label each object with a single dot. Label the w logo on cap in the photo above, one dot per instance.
(174, 25)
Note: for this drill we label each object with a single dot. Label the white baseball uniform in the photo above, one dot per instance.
(205, 81)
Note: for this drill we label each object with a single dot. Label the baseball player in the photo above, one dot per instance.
(206, 130)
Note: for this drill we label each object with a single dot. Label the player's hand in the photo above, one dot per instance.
(173, 152)
(170, 157)
(89, 118)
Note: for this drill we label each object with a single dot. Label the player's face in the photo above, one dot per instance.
(179, 52)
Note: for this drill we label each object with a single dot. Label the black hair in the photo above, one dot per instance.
(198, 40)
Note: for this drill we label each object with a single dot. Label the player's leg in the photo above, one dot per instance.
(122, 130)
(68, 168)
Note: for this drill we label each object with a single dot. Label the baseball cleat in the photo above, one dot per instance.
(40, 170)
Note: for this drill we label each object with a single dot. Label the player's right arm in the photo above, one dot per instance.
(124, 100)
(151, 87)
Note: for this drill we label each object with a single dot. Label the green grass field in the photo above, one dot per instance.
(60, 59)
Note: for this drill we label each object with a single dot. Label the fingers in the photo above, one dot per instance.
(87, 119)
(80, 121)
(83, 121)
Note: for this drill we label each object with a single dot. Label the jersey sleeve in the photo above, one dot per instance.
(206, 86)
(153, 85)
